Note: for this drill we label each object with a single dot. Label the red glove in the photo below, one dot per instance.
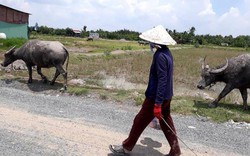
(157, 111)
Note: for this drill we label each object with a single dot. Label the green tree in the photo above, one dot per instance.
(69, 32)
(85, 28)
(240, 41)
(44, 30)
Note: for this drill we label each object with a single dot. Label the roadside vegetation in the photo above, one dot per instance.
(123, 77)
(185, 37)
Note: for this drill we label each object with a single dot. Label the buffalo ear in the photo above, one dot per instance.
(11, 51)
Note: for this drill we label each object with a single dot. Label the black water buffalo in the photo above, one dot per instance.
(43, 54)
(235, 73)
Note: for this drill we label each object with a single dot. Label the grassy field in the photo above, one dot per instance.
(124, 77)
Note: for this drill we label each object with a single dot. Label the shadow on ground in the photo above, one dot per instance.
(148, 148)
(40, 86)
(35, 86)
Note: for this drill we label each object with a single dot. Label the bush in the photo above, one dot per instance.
(197, 45)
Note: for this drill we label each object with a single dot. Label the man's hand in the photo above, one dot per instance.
(157, 111)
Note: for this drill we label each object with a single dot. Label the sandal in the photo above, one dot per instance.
(118, 150)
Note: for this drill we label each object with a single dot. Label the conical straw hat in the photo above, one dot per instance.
(158, 35)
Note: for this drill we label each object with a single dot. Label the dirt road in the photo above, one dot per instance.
(41, 123)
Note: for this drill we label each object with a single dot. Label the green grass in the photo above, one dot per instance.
(139, 99)
(6, 44)
(224, 111)
(78, 90)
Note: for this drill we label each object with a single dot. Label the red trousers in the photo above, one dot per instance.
(144, 117)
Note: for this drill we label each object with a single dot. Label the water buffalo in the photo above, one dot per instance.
(43, 54)
(235, 73)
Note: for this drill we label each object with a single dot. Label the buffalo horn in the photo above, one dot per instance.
(217, 71)
(203, 63)
(10, 50)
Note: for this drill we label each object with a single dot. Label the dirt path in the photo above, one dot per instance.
(38, 123)
(79, 137)
(87, 138)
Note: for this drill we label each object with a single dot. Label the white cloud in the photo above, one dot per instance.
(234, 22)
(208, 11)
(233, 13)
(138, 15)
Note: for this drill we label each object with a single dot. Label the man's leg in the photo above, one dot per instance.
(171, 137)
(141, 121)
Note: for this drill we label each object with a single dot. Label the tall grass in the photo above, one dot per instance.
(135, 67)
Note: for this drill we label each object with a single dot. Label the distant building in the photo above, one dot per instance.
(94, 35)
(13, 23)
(225, 44)
(77, 33)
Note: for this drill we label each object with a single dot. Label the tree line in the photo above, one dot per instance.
(186, 37)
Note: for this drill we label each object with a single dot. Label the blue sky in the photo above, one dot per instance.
(222, 6)
(214, 17)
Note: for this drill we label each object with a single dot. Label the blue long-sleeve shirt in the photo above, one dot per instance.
(160, 85)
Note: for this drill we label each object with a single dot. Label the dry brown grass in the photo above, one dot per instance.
(133, 67)
(188, 62)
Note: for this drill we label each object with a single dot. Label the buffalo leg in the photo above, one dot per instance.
(30, 73)
(55, 77)
(39, 71)
(244, 97)
(224, 92)
(60, 70)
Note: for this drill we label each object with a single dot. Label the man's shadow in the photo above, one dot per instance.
(146, 149)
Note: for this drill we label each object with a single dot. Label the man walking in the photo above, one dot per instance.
(158, 94)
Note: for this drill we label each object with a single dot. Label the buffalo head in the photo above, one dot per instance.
(208, 75)
(9, 57)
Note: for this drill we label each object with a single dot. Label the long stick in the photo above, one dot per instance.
(177, 136)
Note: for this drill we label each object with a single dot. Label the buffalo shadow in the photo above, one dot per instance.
(40, 86)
